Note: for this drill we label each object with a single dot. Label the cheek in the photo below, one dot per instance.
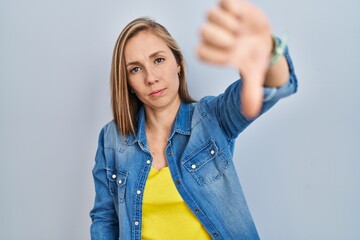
(134, 81)
(174, 72)
(130, 84)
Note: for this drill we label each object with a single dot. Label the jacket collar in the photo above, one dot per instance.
(182, 125)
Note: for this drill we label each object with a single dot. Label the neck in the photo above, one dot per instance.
(161, 121)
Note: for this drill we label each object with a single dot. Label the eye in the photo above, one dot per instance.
(159, 60)
(135, 69)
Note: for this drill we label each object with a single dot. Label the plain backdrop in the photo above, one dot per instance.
(298, 164)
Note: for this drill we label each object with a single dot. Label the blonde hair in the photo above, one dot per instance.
(126, 105)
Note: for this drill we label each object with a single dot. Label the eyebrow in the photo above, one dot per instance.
(150, 56)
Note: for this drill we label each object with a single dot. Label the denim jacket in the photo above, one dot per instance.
(200, 158)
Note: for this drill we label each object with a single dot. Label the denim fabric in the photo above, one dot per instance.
(200, 157)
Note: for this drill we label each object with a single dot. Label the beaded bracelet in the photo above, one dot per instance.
(279, 49)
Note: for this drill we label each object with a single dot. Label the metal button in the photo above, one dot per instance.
(138, 192)
(177, 182)
(193, 166)
(212, 152)
(136, 223)
(216, 234)
(170, 153)
(120, 181)
(197, 210)
(113, 176)
(148, 161)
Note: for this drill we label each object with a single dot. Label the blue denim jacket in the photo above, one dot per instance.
(200, 158)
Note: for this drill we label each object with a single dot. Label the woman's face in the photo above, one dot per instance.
(152, 71)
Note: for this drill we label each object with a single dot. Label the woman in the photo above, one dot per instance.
(164, 167)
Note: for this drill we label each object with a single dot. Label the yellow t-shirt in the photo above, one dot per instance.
(165, 214)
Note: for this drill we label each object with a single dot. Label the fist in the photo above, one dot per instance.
(238, 34)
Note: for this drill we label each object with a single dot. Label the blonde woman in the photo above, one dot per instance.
(164, 166)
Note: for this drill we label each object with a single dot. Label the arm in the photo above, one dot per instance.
(104, 218)
(278, 74)
(238, 34)
(228, 107)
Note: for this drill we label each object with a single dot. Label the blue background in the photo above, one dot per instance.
(299, 164)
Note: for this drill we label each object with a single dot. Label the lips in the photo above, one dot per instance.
(157, 92)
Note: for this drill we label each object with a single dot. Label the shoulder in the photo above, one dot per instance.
(109, 130)
(202, 111)
(110, 137)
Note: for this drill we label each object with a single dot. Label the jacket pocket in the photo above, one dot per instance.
(206, 163)
(117, 182)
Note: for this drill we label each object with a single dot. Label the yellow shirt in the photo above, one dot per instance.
(165, 214)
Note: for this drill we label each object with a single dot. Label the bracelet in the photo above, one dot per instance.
(279, 49)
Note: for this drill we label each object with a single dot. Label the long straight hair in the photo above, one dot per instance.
(125, 105)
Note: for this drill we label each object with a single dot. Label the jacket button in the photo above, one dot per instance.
(170, 153)
(216, 234)
(212, 152)
(138, 192)
(113, 176)
(193, 166)
(197, 210)
(120, 181)
(148, 161)
(177, 182)
(136, 223)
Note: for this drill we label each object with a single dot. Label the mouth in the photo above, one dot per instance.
(157, 92)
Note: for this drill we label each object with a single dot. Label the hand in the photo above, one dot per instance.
(237, 33)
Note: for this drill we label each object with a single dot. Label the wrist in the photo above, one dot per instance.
(278, 50)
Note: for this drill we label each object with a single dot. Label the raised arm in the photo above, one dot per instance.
(238, 34)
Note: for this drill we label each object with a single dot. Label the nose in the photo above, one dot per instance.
(151, 77)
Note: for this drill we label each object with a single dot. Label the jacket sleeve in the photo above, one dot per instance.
(104, 217)
(227, 106)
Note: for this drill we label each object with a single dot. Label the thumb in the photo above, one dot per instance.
(252, 93)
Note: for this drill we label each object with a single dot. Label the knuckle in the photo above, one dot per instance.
(212, 13)
(203, 31)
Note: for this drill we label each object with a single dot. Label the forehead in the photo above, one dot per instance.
(143, 45)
